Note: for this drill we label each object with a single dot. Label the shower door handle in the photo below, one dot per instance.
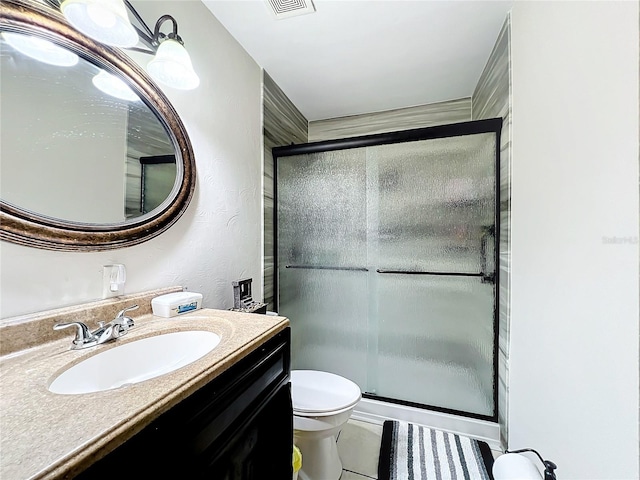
(487, 277)
(487, 234)
(324, 267)
(420, 272)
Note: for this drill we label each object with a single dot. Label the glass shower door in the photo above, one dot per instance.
(386, 267)
(435, 266)
(321, 258)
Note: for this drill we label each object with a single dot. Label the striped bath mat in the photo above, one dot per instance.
(411, 452)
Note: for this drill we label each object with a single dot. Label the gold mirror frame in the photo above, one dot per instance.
(31, 229)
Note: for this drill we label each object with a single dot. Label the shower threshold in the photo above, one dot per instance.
(377, 411)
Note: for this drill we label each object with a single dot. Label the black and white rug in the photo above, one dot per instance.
(412, 452)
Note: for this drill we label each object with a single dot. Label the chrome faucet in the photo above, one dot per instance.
(116, 328)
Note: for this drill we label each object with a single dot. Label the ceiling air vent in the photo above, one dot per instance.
(290, 8)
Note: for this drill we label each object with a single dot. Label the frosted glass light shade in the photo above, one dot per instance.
(103, 20)
(172, 66)
(41, 49)
(112, 85)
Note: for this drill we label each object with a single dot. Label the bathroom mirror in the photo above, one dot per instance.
(92, 154)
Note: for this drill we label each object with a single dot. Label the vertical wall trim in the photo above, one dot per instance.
(492, 98)
(262, 203)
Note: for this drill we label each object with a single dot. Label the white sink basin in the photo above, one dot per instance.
(135, 362)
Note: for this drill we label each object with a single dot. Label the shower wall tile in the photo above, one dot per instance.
(283, 124)
(452, 111)
(492, 98)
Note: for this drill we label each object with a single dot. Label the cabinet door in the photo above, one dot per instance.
(260, 446)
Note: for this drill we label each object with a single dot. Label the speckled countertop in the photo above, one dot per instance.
(45, 435)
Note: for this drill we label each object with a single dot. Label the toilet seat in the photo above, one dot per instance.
(318, 394)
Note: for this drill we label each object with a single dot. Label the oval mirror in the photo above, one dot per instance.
(92, 154)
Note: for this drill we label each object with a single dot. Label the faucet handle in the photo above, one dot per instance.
(83, 335)
(122, 312)
(123, 323)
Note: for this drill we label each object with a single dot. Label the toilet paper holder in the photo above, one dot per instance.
(549, 466)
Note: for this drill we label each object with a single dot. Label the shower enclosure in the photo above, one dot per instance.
(386, 254)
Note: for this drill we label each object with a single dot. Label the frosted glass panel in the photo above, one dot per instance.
(436, 201)
(345, 220)
(435, 341)
(322, 229)
(328, 314)
(322, 209)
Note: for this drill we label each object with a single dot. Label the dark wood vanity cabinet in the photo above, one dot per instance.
(239, 426)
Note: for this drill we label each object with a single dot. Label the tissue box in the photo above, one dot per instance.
(173, 304)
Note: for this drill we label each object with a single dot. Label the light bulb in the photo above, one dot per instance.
(172, 66)
(101, 16)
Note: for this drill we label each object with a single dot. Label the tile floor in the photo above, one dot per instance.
(359, 448)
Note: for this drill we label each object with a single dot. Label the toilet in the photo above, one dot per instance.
(322, 404)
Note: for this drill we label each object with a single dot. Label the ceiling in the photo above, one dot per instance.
(362, 56)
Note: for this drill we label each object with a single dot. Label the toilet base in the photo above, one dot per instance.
(320, 460)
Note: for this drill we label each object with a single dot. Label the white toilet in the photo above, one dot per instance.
(322, 404)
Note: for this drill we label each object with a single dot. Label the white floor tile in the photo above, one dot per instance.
(359, 448)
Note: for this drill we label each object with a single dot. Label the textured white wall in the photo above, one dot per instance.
(218, 239)
(574, 328)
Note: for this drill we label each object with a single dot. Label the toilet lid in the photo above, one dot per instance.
(314, 392)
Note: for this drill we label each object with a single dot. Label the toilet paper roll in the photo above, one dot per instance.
(512, 466)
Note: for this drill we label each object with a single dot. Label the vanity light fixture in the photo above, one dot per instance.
(172, 64)
(107, 21)
(41, 49)
(112, 85)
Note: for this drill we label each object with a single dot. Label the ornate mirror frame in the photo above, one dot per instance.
(31, 229)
